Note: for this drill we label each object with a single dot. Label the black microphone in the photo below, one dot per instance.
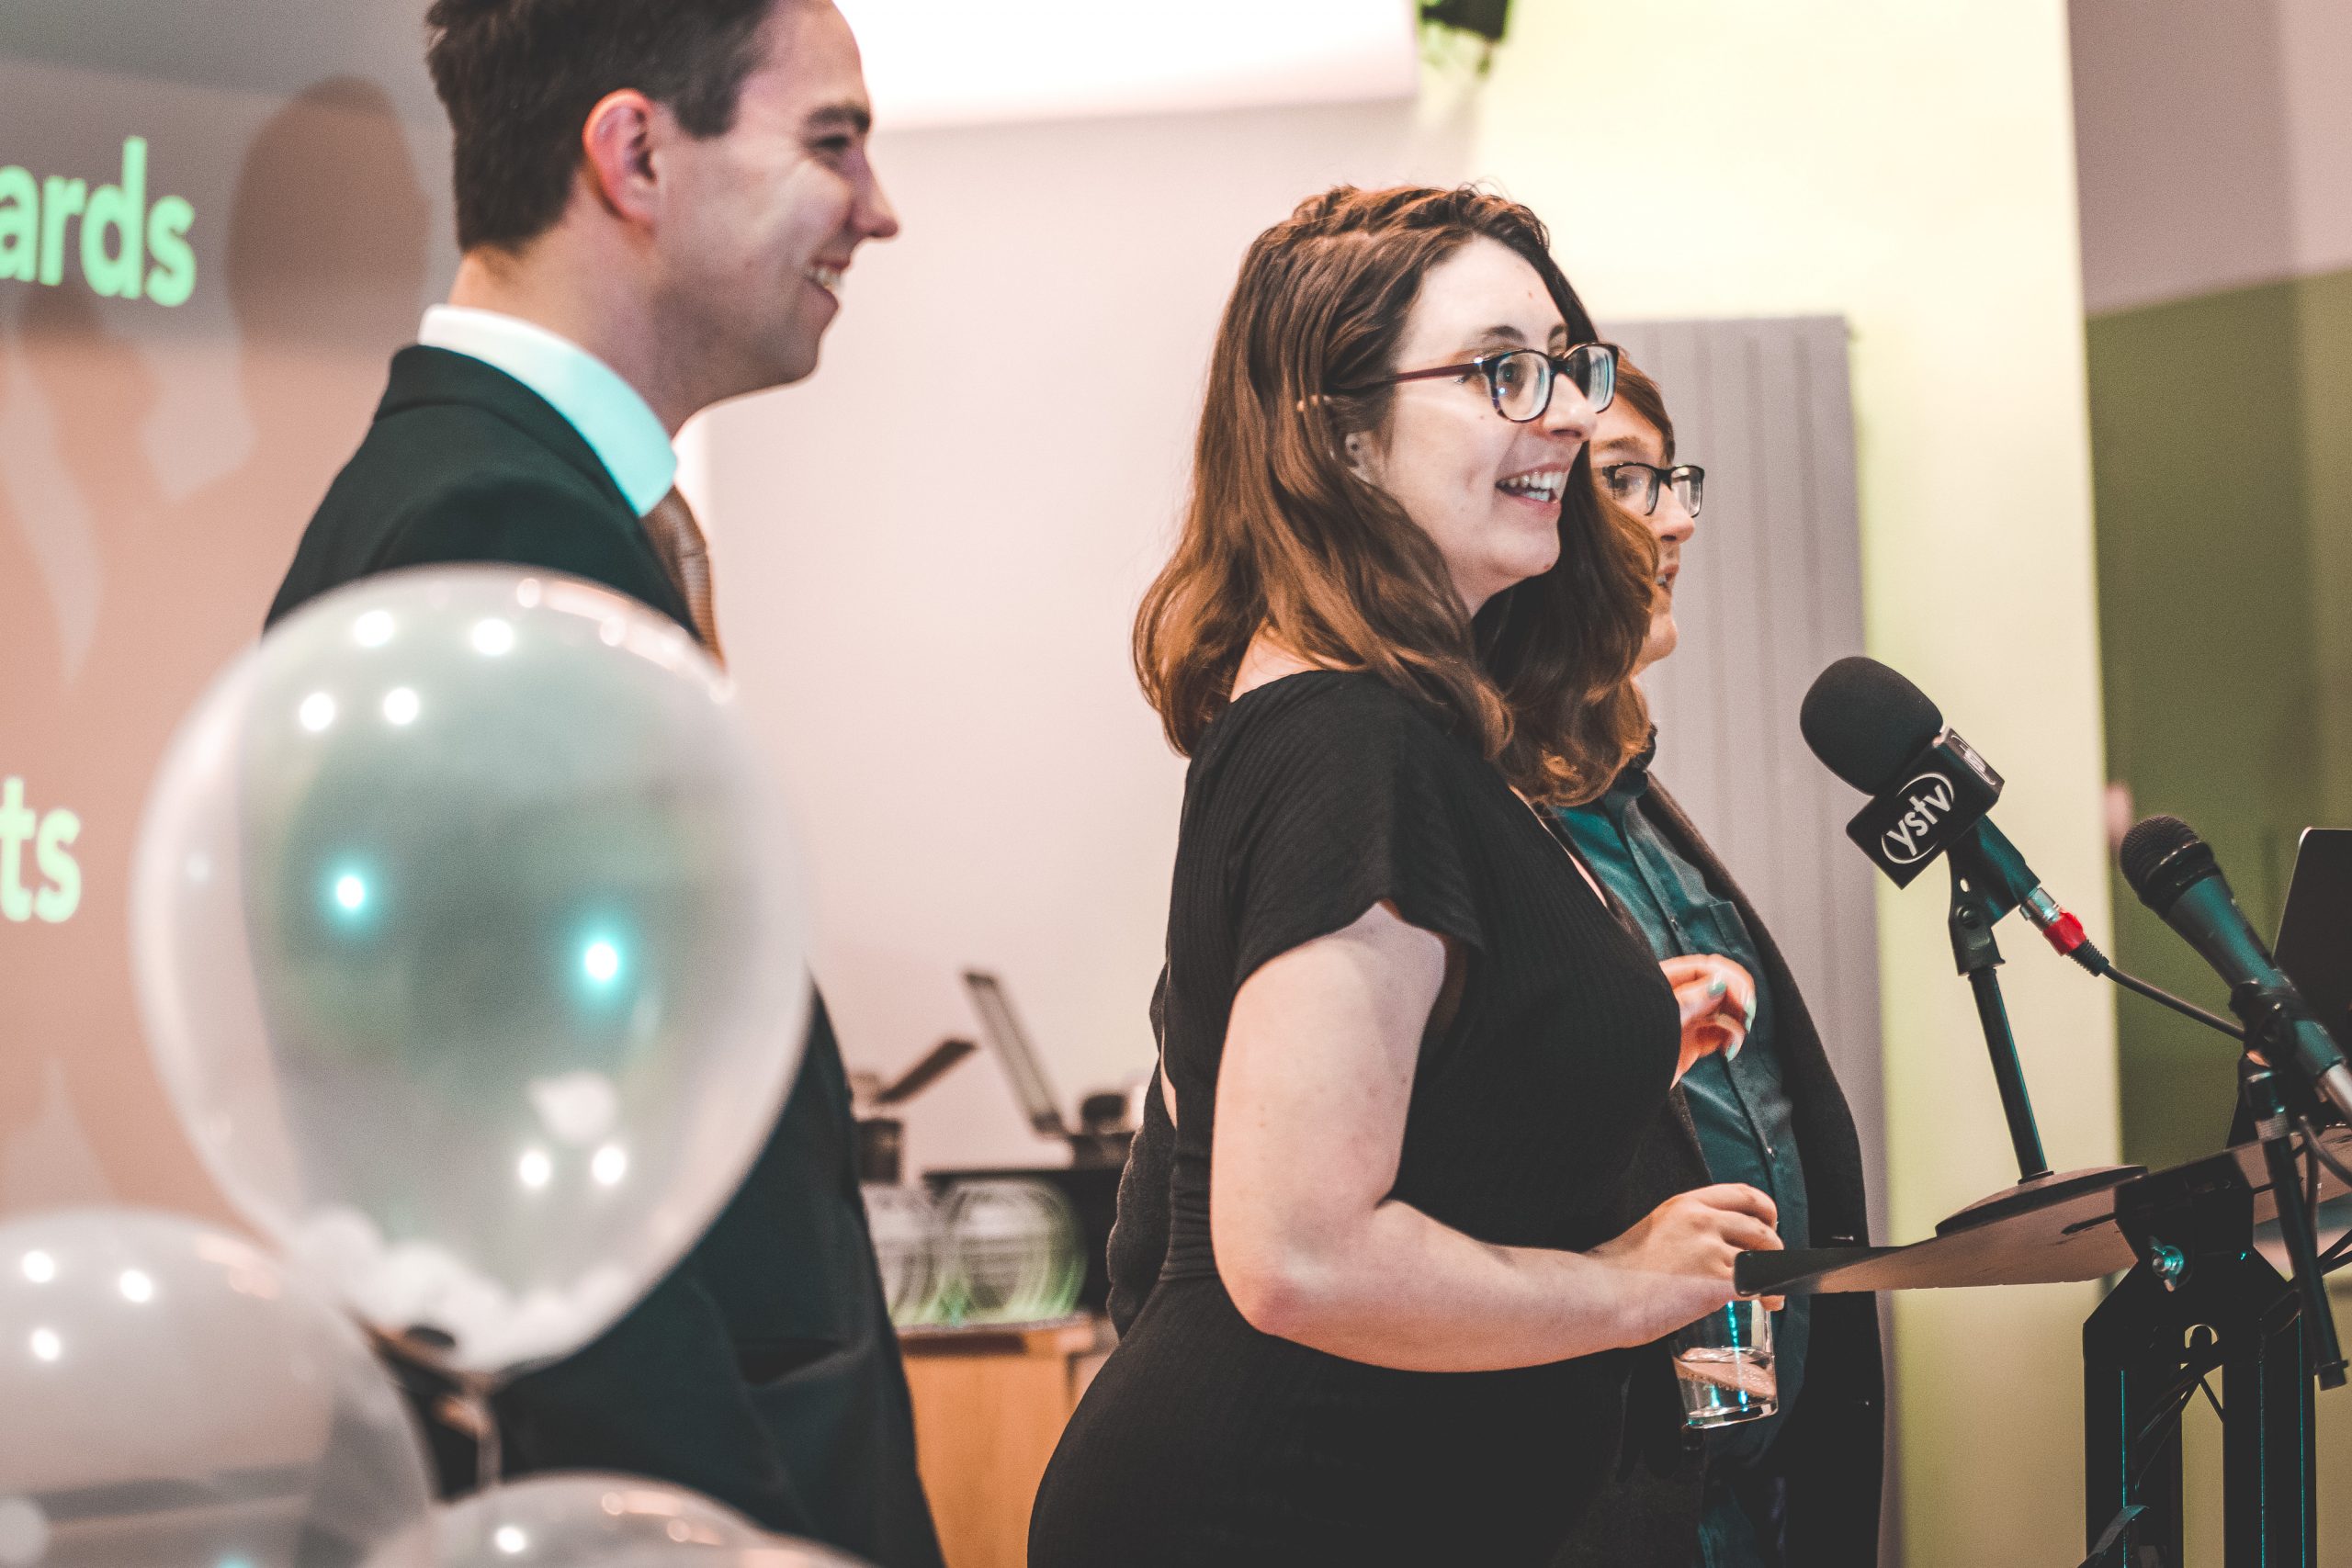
(1929, 793)
(2174, 873)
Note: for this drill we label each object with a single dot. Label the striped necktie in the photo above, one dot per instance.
(677, 538)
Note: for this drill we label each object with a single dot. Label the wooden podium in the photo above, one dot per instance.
(990, 1402)
(2196, 1297)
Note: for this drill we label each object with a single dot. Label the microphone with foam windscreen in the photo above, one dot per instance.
(1929, 791)
(2174, 873)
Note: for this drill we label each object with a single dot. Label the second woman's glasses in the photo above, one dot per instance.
(1635, 486)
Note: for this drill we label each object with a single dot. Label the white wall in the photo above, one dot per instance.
(941, 63)
(2315, 47)
(2215, 139)
(928, 558)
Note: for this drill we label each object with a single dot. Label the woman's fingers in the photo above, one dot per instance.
(1708, 982)
(1739, 1218)
(1716, 1002)
(1739, 1198)
(1721, 1036)
(1703, 1040)
(1710, 1023)
(1697, 999)
(1739, 992)
(1686, 966)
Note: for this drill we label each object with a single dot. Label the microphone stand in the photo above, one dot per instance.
(1978, 956)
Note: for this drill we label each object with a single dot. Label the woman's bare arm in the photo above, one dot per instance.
(1311, 1097)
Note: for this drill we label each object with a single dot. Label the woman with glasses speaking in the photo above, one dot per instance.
(1411, 1054)
(1801, 1485)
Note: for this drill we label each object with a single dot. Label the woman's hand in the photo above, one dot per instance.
(1717, 998)
(1677, 1262)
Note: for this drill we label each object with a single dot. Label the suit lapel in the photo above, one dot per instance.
(422, 376)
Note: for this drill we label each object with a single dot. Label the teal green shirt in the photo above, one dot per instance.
(1740, 1108)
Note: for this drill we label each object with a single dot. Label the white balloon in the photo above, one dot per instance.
(611, 1521)
(170, 1397)
(471, 943)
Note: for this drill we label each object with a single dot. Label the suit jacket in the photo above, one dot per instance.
(1823, 1471)
(762, 1371)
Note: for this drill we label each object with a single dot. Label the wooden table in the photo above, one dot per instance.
(991, 1402)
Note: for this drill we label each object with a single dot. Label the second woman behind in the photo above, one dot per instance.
(1410, 1051)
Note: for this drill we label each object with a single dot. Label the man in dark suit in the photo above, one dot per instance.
(656, 201)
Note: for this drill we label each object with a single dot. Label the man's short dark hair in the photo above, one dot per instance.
(518, 78)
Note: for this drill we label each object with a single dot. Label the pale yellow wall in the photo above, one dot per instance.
(1910, 165)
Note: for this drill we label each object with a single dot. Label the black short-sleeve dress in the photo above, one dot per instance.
(1203, 1441)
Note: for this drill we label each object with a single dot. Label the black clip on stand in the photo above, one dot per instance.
(1978, 956)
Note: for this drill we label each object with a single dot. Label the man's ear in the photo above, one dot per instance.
(616, 147)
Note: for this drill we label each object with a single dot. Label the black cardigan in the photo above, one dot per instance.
(1826, 1461)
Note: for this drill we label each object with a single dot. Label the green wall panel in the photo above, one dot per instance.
(2222, 453)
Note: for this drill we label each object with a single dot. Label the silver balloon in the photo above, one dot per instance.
(170, 1398)
(471, 943)
(611, 1521)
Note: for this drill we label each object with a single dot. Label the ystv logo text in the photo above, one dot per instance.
(1914, 832)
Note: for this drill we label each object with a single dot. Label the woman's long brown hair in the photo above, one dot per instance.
(1280, 533)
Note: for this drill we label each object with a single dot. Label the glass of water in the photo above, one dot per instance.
(1722, 1363)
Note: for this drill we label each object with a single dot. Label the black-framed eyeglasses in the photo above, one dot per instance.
(1635, 486)
(1520, 381)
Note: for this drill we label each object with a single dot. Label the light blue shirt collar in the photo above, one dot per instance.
(617, 423)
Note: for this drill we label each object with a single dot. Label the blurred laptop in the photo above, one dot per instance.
(1001, 1027)
(2315, 944)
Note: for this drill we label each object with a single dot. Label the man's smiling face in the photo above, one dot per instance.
(763, 219)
